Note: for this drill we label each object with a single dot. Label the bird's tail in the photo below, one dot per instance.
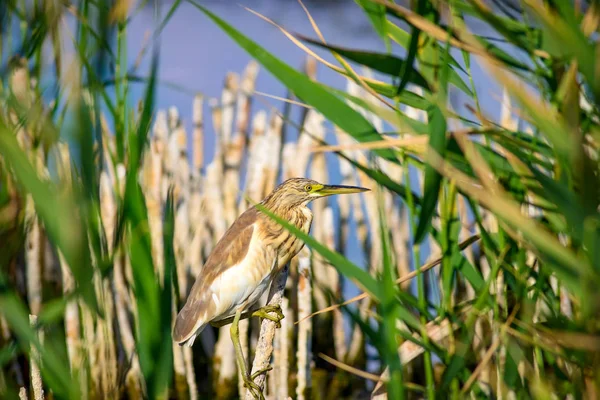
(189, 342)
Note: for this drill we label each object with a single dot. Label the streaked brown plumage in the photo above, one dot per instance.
(246, 259)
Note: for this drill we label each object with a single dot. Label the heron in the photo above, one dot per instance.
(244, 262)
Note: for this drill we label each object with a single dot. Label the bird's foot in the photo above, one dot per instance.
(264, 312)
(252, 387)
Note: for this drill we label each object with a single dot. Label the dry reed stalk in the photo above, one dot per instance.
(228, 106)
(182, 233)
(254, 186)
(152, 181)
(397, 221)
(195, 204)
(264, 348)
(318, 171)
(237, 146)
(272, 147)
(304, 346)
(304, 284)
(224, 356)
(197, 232)
(176, 174)
(233, 149)
(23, 394)
(282, 363)
(339, 334)
(182, 389)
(92, 346)
(349, 203)
(198, 132)
(105, 328)
(37, 386)
(105, 331)
(213, 196)
(265, 142)
(233, 100)
(345, 204)
(190, 375)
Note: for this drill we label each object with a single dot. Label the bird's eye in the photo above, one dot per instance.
(308, 188)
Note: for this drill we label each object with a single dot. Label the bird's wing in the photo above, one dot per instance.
(229, 251)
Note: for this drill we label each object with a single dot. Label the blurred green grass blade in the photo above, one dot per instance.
(87, 155)
(167, 17)
(305, 89)
(384, 89)
(163, 376)
(449, 243)
(53, 310)
(138, 140)
(406, 72)
(151, 327)
(377, 15)
(565, 39)
(505, 57)
(433, 179)
(566, 202)
(461, 262)
(386, 63)
(390, 310)
(591, 240)
(511, 30)
(467, 269)
(402, 37)
(394, 117)
(455, 79)
(56, 212)
(359, 276)
(145, 287)
(169, 250)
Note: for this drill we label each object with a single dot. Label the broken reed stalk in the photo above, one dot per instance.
(264, 348)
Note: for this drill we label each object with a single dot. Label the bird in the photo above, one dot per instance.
(244, 262)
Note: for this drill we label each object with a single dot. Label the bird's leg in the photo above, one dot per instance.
(264, 312)
(239, 356)
(226, 321)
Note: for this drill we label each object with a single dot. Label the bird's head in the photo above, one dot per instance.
(297, 192)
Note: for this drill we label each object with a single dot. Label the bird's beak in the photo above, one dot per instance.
(328, 190)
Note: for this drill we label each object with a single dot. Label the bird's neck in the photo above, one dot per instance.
(299, 216)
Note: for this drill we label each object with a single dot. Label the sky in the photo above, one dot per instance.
(196, 54)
